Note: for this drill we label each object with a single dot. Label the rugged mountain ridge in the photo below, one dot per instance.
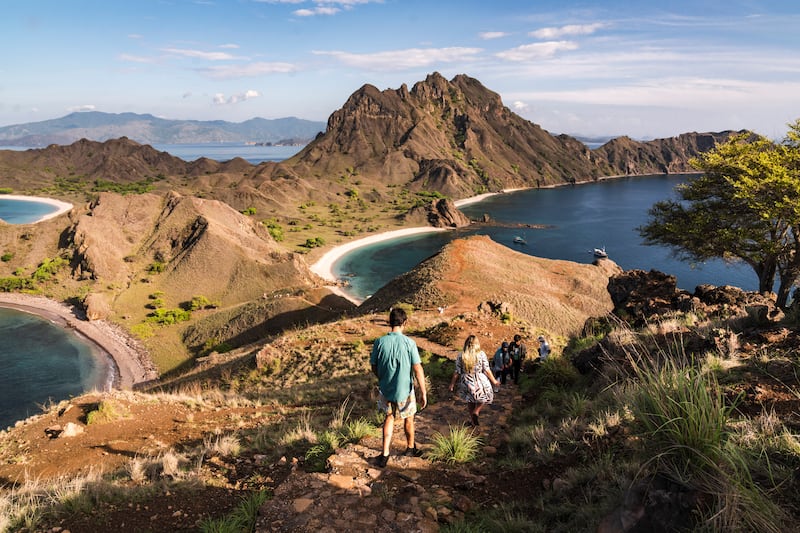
(454, 138)
(457, 137)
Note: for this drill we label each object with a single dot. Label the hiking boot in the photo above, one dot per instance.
(413, 452)
(381, 460)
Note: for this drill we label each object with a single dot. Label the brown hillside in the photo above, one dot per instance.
(557, 296)
(381, 152)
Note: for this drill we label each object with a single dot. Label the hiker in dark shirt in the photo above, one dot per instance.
(518, 353)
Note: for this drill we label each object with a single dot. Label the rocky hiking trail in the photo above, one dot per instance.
(410, 493)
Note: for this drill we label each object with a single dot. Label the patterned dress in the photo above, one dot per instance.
(475, 387)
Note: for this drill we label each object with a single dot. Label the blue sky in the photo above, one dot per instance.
(643, 69)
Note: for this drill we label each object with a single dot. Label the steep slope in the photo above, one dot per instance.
(382, 148)
(557, 296)
(457, 137)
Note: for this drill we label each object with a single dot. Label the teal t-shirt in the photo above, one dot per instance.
(393, 355)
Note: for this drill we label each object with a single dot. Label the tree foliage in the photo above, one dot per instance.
(744, 207)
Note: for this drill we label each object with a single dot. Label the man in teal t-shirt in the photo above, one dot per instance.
(394, 359)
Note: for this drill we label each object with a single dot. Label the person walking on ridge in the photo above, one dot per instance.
(395, 360)
(518, 354)
(501, 363)
(544, 349)
(476, 378)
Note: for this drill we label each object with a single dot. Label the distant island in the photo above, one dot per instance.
(148, 129)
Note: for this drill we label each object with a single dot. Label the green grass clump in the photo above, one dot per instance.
(461, 445)
(686, 425)
(241, 520)
(107, 411)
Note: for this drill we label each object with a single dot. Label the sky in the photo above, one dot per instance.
(646, 69)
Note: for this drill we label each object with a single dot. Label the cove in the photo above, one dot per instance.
(25, 211)
(570, 222)
(41, 362)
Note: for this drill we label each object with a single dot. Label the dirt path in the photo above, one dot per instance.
(409, 494)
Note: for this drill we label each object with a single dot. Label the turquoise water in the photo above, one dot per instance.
(577, 219)
(41, 362)
(23, 211)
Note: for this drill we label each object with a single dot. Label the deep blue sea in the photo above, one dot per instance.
(42, 362)
(577, 219)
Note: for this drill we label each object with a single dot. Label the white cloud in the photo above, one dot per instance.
(520, 106)
(210, 56)
(136, 59)
(219, 98)
(403, 59)
(316, 11)
(79, 108)
(134, 36)
(229, 45)
(571, 29)
(487, 35)
(248, 70)
(534, 51)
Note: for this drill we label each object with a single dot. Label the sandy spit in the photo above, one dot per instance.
(61, 207)
(324, 266)
(132, 364)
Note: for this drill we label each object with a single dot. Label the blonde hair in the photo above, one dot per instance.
(469, 357)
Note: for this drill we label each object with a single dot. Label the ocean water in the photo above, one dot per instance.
(23, 211)
(217, 151)
(227, 151)
(576, 220)
(41, 362)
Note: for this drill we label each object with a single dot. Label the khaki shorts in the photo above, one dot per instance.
(403, 409)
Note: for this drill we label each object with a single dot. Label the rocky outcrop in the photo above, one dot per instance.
(440, 213)
(645, 296)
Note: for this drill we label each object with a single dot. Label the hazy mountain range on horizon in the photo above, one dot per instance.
(149, 129)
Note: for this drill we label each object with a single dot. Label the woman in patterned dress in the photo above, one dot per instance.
(476, 378)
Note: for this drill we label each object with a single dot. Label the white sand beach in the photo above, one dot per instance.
(324, 266)
(133, 364)
(61, 206)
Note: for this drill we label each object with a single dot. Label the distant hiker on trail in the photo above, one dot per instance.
(501, 363)
(476, 378)
(544, 349)
(395, 360)
(518, 354)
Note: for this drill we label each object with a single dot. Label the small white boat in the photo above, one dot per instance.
(600, 252)
(519, 240)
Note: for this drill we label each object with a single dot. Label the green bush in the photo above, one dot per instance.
(156, 267)
(166, 317)
(48, 268)
(249, 211)
(6, 257)
(275, 229)
(15, 284)
(316, 242)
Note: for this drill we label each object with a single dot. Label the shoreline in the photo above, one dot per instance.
(323, 267)
(61, 206)
(129, 362)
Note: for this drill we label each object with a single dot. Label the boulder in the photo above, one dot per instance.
(97, 306)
